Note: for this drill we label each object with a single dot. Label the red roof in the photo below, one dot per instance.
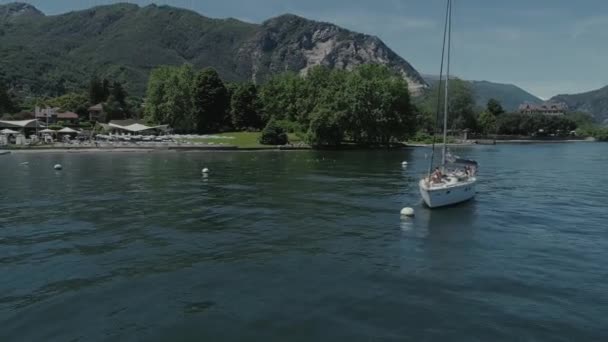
(67, 115)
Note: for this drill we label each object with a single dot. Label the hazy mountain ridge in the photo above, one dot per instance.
(593, 102)
(509, 95)
(49, 54)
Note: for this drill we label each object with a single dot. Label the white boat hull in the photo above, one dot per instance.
(446, 194)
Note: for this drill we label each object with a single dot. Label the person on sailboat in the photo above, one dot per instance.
(437, 176)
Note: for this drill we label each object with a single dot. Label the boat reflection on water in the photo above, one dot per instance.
(443, 223)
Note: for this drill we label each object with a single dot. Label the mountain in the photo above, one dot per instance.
(51, 54)
(14, 10)
(509, 95)
(592, 102)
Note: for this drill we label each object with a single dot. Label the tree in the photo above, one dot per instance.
(494, 107)
(245, 107)
(96, 91)
(379, 106)
(169, 97)
(210, 102)
(135, 107)
(273, 134)
(523, 124)
(282, 97)
(105, 89)
(119, 94)
(487, 122)
(325, 128)
(113, 109)
(73, 102)
(461, 106)
(6, 103)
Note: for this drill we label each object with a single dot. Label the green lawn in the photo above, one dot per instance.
(241, 140)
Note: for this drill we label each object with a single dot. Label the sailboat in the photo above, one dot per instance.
(454, 180)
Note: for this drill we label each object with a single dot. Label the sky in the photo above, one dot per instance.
(547, 47)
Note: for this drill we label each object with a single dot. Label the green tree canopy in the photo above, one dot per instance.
(380, 109)
(105, 89)
(526, 124)
(169, 97)
(114, 109)
(73, 102)
(487, 122)
(119, 94)
(461, 106)
(369, 105)
(282, 97)
(6, 103)
(494, 107)
(325, 128)
(245, 107)
(211, 102)
(96, 91)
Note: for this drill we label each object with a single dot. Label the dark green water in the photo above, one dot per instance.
(302, 246)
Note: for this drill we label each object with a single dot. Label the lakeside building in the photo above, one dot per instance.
(547, 108)
(52, 115)
(96, 113)
(133, 127)
(21, 124)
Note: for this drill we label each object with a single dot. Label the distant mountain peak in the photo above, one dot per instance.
(287, 16)
(308, 43)
(18, 9)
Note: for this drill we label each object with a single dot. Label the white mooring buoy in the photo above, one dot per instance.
(404, 164)
(205, 171)
(58, 167)
(407, 212)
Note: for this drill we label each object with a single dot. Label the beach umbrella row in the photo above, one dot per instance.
(65, 130)
(8, 131)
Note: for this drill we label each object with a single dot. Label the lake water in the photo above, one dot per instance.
(302, 246)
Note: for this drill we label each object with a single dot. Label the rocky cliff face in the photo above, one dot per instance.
(296, 44)
(48, 55)
(18, 9)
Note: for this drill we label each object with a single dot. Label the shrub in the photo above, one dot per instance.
(423, 138)
(273, 134)
(85, 124)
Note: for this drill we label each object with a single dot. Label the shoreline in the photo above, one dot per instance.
(231, 148)
(505, 142)
(61, 149)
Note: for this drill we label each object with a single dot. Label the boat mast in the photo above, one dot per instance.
(446, 105)
(438, 112)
